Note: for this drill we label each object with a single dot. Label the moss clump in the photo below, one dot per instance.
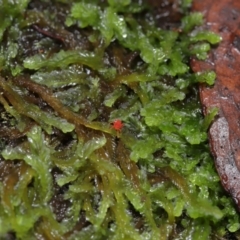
(69, 69)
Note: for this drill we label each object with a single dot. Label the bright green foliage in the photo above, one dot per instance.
(8, 54)
(201, 50)
(60, 78)
(44, 119)
(9, 11)
(192, 20)
(185, 4)
(207, 36)
(196, 230)
(37, 155)
(116, 3)
(143, 149)
(87, 12)
(112, 97)
(63, 59)
(113, 26)
(22, 210)
(207, 77)
(74, 175)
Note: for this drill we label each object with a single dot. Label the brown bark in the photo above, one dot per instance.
(223, 17)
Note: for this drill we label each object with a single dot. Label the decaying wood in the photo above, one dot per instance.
(223, 17)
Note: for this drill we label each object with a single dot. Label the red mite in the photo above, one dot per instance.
(117, 125)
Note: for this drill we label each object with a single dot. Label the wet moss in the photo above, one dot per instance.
(69, 69)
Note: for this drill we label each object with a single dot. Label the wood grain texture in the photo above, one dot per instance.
(223, 17)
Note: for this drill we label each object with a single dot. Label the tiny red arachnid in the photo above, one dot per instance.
(117, 125)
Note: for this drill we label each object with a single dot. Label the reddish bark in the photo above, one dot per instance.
(223, 17)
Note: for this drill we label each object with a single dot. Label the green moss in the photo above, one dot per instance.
(63, 59)
(65, 78)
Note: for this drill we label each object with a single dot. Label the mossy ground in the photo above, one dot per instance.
(69, 69)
